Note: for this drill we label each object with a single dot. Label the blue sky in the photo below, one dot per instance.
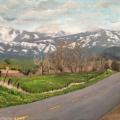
(55, 15)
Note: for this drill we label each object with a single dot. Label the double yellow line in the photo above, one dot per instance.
(55, 107)
(21, 118)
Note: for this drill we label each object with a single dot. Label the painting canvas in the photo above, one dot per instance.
(59, 59)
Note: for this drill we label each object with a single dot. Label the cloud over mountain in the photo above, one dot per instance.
(59, 14)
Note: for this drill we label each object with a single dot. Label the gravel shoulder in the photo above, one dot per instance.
(113, 115)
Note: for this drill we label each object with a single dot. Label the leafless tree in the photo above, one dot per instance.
(6, 74)
(38, 61)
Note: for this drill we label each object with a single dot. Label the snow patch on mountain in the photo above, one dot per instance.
(36, 36)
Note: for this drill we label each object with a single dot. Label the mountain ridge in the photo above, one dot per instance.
(24, 43)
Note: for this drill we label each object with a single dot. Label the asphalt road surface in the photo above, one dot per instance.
(90, 103)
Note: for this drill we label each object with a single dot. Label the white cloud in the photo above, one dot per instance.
(52, 15)
(3, 8)
(115, 26)
(70, 5)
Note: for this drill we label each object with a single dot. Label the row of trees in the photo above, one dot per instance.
(68, 59)
(65, 59)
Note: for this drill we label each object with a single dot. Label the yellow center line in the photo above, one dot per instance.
(56, 107)
(21, 118)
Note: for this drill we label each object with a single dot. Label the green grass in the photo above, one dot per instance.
(10, 97)
(39, 84)
(45, 83)
(22, 65)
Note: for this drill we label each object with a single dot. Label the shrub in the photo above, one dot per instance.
(116, 66)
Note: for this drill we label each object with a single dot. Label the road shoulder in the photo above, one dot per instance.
(113, 115)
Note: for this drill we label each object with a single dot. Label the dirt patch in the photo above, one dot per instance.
(11, 73)
(113, 115)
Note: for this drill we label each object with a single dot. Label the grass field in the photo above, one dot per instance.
(22, 65)
(39, 87)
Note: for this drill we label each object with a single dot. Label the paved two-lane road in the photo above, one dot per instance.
(90, 103)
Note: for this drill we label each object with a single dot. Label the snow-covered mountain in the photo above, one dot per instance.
(24, 43)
